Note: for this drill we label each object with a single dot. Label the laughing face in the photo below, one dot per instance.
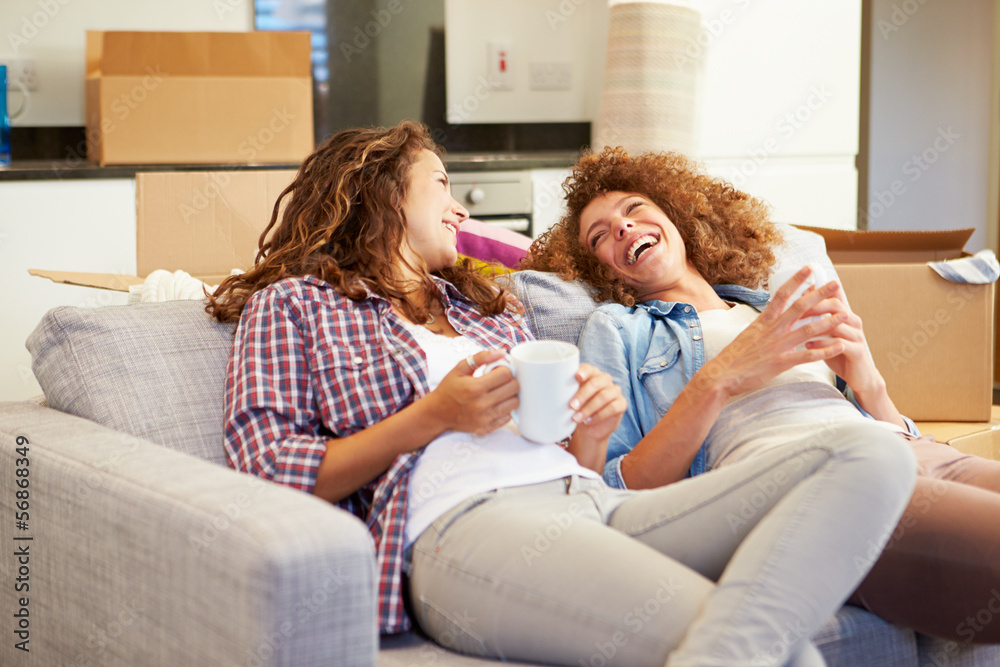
(632, 235)
(432, 214)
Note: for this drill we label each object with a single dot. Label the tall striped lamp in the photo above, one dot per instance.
(652, 74)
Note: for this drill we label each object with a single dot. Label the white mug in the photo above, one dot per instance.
(546, 375)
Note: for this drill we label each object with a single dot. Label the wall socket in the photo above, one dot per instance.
(550, 76)
(21, 71)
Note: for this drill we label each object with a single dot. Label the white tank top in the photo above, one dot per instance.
(456, 466)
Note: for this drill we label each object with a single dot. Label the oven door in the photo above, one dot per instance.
(502, 198)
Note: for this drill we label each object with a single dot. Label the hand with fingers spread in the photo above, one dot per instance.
(854, 363)
(599, 407)
(773, 343)
(475, 404)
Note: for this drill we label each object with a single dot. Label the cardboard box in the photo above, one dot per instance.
(996, 345)
(931, 339)
(198, 97)
(979, 438)
(204, 222)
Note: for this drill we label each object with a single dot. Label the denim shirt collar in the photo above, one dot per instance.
(752, 297)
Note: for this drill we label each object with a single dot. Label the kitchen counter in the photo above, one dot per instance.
(458, 162)
(510, 161)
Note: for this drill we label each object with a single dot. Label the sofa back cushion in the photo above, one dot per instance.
(153, 370)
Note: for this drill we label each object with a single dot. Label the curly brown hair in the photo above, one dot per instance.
(727, 234)
(344, 224)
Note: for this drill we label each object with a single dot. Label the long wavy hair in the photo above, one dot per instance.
(343, 223)
(727, 234)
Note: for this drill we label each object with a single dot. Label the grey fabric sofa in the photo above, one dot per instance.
(145, 549)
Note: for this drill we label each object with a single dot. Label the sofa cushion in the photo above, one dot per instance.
(558, 309)
(851, 637)
(153, 370)
(947, 653)
(854, 636)
(554, 309)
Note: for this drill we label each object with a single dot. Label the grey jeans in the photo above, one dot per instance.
(738, 566)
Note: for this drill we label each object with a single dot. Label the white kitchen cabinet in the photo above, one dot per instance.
(779, 104)
(781, 78)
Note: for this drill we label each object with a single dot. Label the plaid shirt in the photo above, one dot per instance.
(309, 364)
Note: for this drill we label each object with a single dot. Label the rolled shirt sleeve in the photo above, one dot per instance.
(601, 344)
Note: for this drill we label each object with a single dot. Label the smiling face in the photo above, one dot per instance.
(632, 235)
(432, 214)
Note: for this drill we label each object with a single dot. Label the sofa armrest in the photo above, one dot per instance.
(140, 555)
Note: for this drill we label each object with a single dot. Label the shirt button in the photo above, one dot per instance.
(687, 309)
(692, 324)
(662, 364)
(357, 360)
(696, 337)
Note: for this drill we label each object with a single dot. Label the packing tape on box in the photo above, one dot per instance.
(979, 269)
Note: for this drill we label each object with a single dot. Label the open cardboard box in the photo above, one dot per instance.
(931, 339)
(979, 438)
(198, 97)
(206, 223)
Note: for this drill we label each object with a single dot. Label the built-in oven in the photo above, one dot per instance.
(498, 197)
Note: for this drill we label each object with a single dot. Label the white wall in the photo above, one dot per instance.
(929, 151)
(52, 33)
(72, 225)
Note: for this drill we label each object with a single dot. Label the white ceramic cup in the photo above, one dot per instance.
(816, 279)
(546, 376)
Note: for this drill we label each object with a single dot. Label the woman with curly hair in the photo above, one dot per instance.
(714, 376)
(356, 375)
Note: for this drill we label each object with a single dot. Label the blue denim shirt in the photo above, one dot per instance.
(652, 350)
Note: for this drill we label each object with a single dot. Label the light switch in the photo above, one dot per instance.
(498, 67)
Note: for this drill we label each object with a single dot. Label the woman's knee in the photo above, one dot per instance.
(871, 442)
(873, 458)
